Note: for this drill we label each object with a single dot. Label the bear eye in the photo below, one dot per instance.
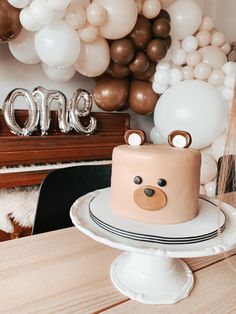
(161, 182)
(138, 180)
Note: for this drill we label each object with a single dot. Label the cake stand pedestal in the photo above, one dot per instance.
(153, 273)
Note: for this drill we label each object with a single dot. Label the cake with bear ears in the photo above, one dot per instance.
(155, 183)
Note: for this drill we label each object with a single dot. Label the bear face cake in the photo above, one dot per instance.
(156, 183)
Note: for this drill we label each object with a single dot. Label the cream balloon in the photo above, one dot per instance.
(76, 16)
(59, 74)
(96, 14)
(208, 169)
(194, 106)
(193, 58)
(87, 63)
(207, 24)
(226, 48)
(210, 188)
(213, 56)
(83, 3)
(121, 16)
(186, 17)
(202, 71)
(218, 39)
(151, 8)
(204, 38)
(27, 20)
(57, 44)
(22, 48)
(217, 77)
(188, 73)
(88, 34)
(189, 43)
(20, 4)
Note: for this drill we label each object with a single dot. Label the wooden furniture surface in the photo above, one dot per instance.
(66, 272)
(56, 147)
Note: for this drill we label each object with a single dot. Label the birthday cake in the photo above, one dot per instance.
(156, 183)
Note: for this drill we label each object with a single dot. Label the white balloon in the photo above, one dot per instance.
(190, 43)
(88, 34)
(59, 74)
(210, 188)
(76, 16)
(218, 39)
(159, 88)
(218, 147)
(228, 93)
(193, 58)
(41, 11)
(120, 20)
(202, 190)
(186, 17)
(175, 45)
(229, 68)
(162, 77)
(202, 71)
(59, 4)
(176, 76)
(204, 38)
(194, 106)
(96, 14)
(156, 137)
(217, 77)
(208, 168)
(20, 4)
(87, 63)
(27, 20)
(22, 48)
(163, 65)
(57, 44)
(179, 57)
(58, 14)
(229, 81)
(207, 24)
(213, 56)
(188, 73)
(151, 8)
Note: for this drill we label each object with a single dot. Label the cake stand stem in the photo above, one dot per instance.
(151, 279)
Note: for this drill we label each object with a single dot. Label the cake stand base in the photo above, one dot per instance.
(151, 279)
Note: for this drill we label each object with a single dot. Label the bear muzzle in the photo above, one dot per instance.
(150, 198)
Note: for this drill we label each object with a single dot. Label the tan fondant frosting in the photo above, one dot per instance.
(173, 199)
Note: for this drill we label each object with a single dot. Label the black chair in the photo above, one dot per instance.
(231, 175)
(61, 188)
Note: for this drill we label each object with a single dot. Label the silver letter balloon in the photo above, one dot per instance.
(39, 102)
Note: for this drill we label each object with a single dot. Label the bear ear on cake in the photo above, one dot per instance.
(180, 139)
(135, 137)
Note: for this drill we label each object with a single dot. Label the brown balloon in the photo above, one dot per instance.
(142, 98)
(118, 71)
(111, 94)
(122, 51)
(147, 74)
(10, 25)
(140, 63)
(141, 33)
(161, 28)
(156, 50)
(163, 14)
(168, 41)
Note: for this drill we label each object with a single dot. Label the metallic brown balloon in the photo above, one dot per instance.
(141, 33)
(168, 41)
(163, 14)
(118, 71)
(147, 74)
(111, 94)
(142, 98)
(156, 50)
(140, 63)
(122, 51)
(161, 28)
(10, 25)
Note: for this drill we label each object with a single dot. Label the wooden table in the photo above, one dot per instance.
(64, 271)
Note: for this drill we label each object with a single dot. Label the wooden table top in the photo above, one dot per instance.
(64, 271)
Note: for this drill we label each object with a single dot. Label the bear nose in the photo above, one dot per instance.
(149, 192)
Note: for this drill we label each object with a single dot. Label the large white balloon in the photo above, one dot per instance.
(22, 48)
(208, 168)
(213, 56)
(94, 58)
(59, 74)
(121, 17)
(57, 44)
(186, 17)
(194, 106)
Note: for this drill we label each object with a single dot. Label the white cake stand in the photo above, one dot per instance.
(148, 272)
